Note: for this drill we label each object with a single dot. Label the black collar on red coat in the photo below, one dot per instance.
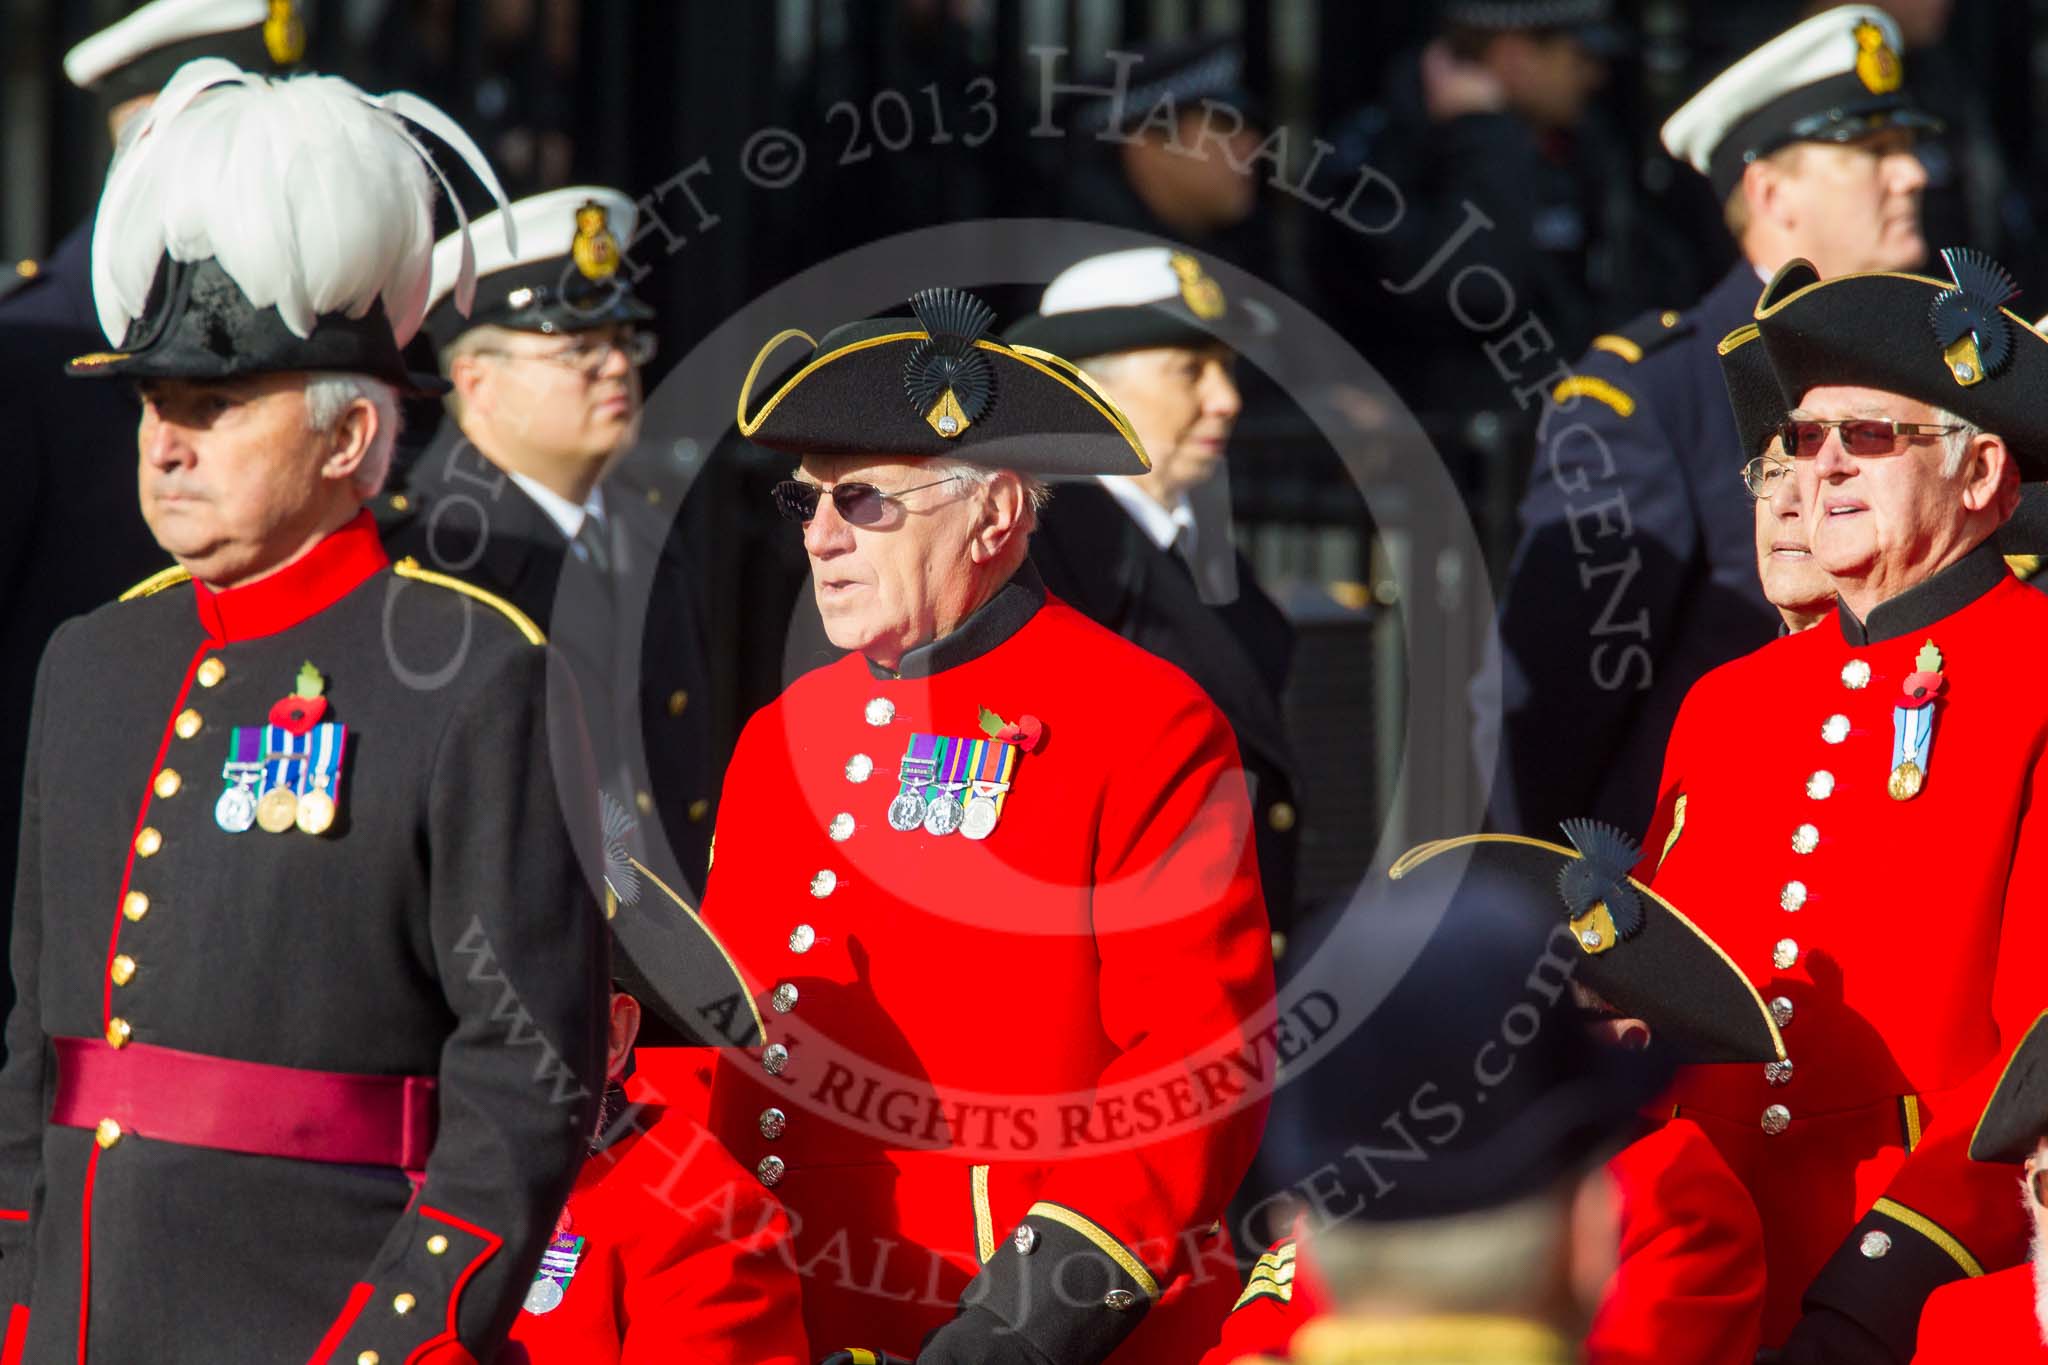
(304, 588)
(987, 626)
(1923, 604)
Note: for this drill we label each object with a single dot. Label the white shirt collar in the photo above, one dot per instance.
(1161, 527)
(560, 510)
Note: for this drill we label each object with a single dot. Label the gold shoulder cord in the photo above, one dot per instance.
(410, 568)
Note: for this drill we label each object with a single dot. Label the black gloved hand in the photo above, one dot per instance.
(1825, 1337)
(978, 1337)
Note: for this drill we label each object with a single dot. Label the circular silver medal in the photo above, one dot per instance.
(906, 812)
(943, 817)
(235, 812)
(544, 1296)
(979, 818)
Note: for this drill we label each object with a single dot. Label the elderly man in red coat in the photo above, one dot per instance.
(992, 880)
(1855, 812)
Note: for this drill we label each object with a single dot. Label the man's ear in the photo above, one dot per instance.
(351, 437)
(1987, 468)
(1004, 506)
(471, 380)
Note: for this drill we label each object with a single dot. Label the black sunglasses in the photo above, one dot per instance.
(1802, 436)
(858, 504)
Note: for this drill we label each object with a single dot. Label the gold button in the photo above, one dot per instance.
(1669, 318)
(1280, 816)
(188, 723)
(403, 1304)
(399, 502)
(645, 801)
(118, 1030)
(677, 700)
(368, 1358)
(28, 270)
(122, 970)
(135, 905)
(168, 782)
(211, 671)
(654, 497)
(437, 1245)
(698, 810)
(149, 841)
(106, 1133)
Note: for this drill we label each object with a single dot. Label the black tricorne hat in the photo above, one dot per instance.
(935, 385)
(1467, 1081)
(2017, 1116)
(1638, 952)
(1949, 343)
(198, 324)
(1753, 390)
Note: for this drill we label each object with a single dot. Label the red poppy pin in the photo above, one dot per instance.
(299, 710)
(1925, 682)
(1026, 732)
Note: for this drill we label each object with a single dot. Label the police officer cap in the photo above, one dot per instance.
(937, 384)
(2018, 1113)
(1127, 300)
(1950, 343)
(138, 54)
(1834, 78)
(567, 274)
(1590, 21)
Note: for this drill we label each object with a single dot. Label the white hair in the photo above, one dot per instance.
(1036, 494)
(1955, 444)
(328, 398)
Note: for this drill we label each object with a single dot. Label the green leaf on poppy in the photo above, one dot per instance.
(311, 684)
(1929, 660)
(991, 723)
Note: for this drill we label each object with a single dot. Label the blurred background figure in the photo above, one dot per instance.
(1793, 583)
(512, 494)
(1138, 554)
(1636, 569)
(71, 533)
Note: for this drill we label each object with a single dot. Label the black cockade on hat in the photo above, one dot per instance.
(947, 361)
(1600, 875)
(1971, 309)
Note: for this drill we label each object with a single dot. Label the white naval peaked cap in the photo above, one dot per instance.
(1832, 77)
(543, 230)
(1117, 279)
(174, 31)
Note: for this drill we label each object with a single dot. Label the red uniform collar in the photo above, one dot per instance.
(302, 589)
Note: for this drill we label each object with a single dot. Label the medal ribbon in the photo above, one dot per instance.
(954, 754)
(326, 743)
(920, 761)
(994, 761)
(245, 756)
(1912, 735)
(284, 754)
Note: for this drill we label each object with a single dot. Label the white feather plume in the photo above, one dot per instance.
(312, 195)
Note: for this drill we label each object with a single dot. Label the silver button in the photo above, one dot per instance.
(1781, 1011)
(1784, 953)
(1821, 785)
(773, 1122)
(773, 1058)
(784, 999)
(801, 938)
(824, 884)
(1793, 895)
(1119, 1300)
(1805, 839)
(880, 711)
(1856, 674)
(1025, 1239)
(841, 828)
(770, 1170)
(1590, 938)
(1778, 1073)
(1777, 1119)
(1836, 729)
(859, 768)
(1874, 1245)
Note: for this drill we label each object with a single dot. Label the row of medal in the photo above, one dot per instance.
(950, 784)
(275, 780)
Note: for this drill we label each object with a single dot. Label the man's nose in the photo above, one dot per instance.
(1832, 460)
(163, 444)
(1907, 173)
(1220, 397)
(827, 532)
